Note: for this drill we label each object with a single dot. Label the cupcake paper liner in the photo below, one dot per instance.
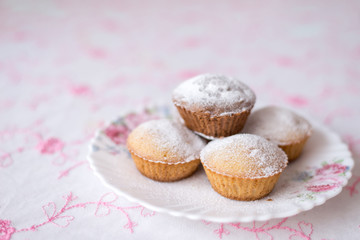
(214, 126)
(164, 172)
(244, 189)
(294, 150)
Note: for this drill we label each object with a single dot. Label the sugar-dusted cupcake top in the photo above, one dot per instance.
(165, 141)
(216, 94)
(245, 156)
(278, 125)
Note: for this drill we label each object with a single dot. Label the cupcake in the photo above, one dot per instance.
(214, 105)
(281, 126)
(164, 150)
(243, 166)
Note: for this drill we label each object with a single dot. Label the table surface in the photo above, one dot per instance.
(68, 67)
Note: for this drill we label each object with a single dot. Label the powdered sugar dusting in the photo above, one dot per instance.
(244, 155)
(278, 125)
(194, 198)
(166, 141)
(216, 94)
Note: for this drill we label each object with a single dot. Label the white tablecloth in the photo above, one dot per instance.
(68, 67)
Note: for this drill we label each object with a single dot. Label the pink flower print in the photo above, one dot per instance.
(117, 133)
(5, 160)
(98, 53)
(285, 61)
(321, 188)
(6, 230)
(331, 169)
(297, 101)
(50, 146)
(80, 90)
(323, 184)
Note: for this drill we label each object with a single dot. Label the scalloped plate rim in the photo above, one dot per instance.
(298, 208)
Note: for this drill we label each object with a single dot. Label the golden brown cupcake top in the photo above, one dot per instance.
(165, 141)
(245, 156)
(215, 94)
(278, 125)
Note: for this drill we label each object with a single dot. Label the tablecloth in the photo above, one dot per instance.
(68, 67)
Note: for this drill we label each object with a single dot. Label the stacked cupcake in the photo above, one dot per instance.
(240, 163)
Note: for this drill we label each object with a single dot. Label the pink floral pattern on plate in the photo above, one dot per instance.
(119, 130)
(328, 177)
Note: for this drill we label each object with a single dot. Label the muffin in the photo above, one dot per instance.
(214, 105)
(281, 126)
(164, 150)
(243, 166)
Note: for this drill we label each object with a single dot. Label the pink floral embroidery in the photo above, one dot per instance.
(330, 169)
(26, 137)
(67, 171)
(5, 160)
(221, 230)
(352, 187)
(80, 90)
(103, 206)
(54, 146)
(304, 230)
(98, 53)
(6, 230)
(50, 146)
(146, 213)
(298, 101)
(62, 157)
(117, 133)
(57, 217)
(285, 61)
(192, 42)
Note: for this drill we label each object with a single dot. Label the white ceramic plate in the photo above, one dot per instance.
(319, 174)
